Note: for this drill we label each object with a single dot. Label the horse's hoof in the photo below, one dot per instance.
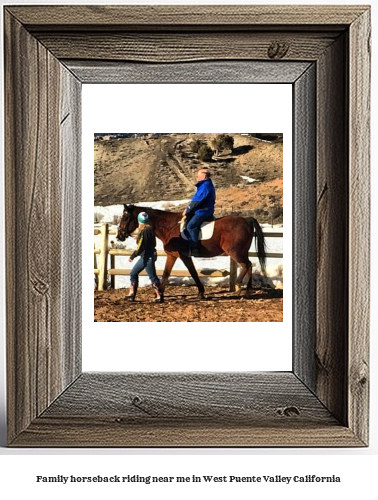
(158, 301)
(201, 296)
(238, 289)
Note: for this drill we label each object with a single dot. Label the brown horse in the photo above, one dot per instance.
(232, 236)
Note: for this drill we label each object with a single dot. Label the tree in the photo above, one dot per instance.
(196, 144)
(205, 153)
(223, 142)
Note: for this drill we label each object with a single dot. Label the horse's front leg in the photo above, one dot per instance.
(193, 272)
(169, 263)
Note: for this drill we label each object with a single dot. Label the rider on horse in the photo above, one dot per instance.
(200, 209)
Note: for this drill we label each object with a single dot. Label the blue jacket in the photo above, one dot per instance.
(203, 201)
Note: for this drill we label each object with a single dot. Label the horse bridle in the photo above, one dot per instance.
(126, 230)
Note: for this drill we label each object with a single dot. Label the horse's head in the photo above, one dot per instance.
(128, 223)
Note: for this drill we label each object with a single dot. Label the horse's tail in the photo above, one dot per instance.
(259, 242)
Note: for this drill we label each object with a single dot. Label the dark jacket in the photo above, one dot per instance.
(203, 202)
(146, 243)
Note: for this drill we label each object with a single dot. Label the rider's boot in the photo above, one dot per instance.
(133, 291)
(195, 251)
(185, 251)
(159, 292)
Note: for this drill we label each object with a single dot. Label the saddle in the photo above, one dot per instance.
(206, 230)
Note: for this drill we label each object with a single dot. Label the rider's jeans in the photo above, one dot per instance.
(193, 228)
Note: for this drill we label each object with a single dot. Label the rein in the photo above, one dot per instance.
(165, 223)
(161, 225)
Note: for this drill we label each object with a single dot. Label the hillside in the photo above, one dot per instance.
(163, 167)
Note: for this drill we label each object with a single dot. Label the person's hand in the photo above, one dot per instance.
(130, 259)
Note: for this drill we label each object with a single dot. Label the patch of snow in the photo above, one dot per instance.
(248, 179)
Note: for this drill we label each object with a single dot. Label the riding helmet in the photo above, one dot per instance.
(143, 218)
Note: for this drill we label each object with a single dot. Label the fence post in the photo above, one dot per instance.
(112, 266)
(95, 266)
(233, 274)
(103, 267)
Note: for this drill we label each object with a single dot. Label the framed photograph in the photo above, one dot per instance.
(157, 171)
(324, 53)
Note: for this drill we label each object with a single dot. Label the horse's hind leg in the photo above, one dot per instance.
(246, 269)
(240, 255)
(239, 279)
(249, 283)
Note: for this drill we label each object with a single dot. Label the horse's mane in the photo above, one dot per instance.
(151, 210)
(162, 219)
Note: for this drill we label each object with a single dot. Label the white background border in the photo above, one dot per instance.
(186, 346)
(358, 474)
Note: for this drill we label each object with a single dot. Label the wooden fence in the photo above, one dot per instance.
(102, 271)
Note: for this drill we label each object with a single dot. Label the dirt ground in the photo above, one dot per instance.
(182, 304)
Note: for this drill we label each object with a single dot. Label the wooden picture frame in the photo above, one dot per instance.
(49, 52)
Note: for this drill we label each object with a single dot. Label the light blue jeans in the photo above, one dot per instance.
(147, 263)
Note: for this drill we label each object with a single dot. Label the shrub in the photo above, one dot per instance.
(275, 211)
(223, 142)
(205, 153)
(196, 145)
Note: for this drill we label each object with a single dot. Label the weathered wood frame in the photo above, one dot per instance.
(324, 400)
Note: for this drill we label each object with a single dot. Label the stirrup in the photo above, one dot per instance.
(186, 253)
(195, 252)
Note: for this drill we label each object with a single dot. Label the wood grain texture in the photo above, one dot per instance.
(324, 402)
(193, 409)
(30, 185)
(110, 432)
(34, 187)
(359, 226)
(199, 72)
(216, 396)
(332, 230)
(184, 16)
(180, 47)
(71, 233)
(304, 224)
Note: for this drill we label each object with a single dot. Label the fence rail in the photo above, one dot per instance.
(102, 271)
